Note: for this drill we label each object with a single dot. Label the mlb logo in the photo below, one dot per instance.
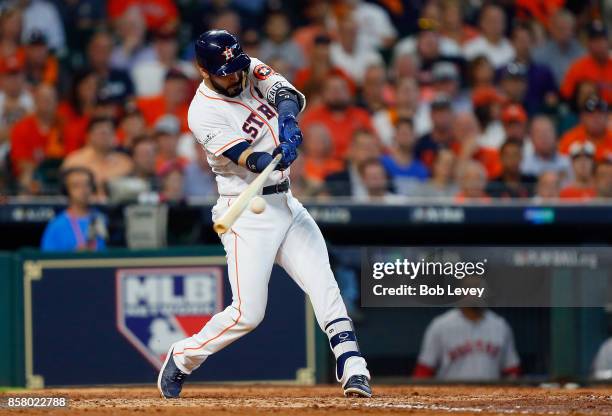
(159, 306)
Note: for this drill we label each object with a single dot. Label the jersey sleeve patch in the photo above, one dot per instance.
(262, 72)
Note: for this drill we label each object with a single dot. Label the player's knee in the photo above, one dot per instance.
(250, 319)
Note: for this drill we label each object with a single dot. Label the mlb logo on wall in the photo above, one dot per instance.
(158, 306)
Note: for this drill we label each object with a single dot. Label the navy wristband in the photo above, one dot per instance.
(258, 161)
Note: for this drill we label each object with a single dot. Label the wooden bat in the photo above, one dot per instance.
(225, 222)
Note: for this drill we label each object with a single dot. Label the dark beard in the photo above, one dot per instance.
(234, 90)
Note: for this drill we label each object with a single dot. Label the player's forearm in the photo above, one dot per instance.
(243, 155)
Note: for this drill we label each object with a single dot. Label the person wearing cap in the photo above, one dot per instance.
(595, 66)
(544, 155)
(446, 80)
(43, 16)
(583, 185)
(41, 65)
(148, 76)
(511, 183)
(562, 48)
(593, 127)
(513, 82)
(166, 132)
(173, 100)
(541, 89)
(491, 43)
(99, 154)
(487, 103)
(514, 120)
(441, 135)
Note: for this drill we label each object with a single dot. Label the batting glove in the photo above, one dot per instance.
(289, 130)
(289, 154)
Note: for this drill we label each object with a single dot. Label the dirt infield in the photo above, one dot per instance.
(326, 400)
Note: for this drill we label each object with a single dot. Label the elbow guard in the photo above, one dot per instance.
(287, 101)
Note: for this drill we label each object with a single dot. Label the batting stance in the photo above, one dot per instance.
(244, 114)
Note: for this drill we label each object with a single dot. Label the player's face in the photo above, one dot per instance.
(230, 85)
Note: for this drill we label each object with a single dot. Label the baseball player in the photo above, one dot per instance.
(468, 344)
(244, 114)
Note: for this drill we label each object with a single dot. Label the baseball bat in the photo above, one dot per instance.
(230, 216)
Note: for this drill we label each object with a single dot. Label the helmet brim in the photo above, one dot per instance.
(240, 62)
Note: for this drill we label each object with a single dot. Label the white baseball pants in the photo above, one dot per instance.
(284, 233)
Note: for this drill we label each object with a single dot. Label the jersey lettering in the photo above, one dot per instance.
(248, 128)
(266, 111)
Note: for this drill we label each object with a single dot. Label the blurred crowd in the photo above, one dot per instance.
(467, 100)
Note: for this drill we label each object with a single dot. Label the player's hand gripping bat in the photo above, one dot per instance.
(225, 222)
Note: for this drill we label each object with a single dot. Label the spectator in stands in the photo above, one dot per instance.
(301, 185)
(511, 183)
(547, 187)
(311, 79)
(37, 137)
(199, 180)
(338, 114)
(148, 76)
(166, 132)
(513, 83)
(468, 344)
(400, 163)
(603, 179)
(446, 80)
(541, 87)
(472, 180)
(317, 153)
(131, 126)
(407, 105)
(544, 156)
(466, 131)
(442, 182)
(131, 50)
(10, 32)
(593, 128)
(404, 66)
(15, 99)
(491, 42)
(99, 155)
(349, 55)
(79, 227)
(375, 91)
(452, 26)
(41, 65)
(376, 30)
(144, 156)
(514, 120)
(596, 66)
(363, 147)
(481, 73)
(115, 85)
(583, 186)
(172, 185)
(42, 16)
(441, 135)
(278, 43)
(157, 13)
(79, 107)
(487, 104)
(173, 100)
(376, 183)
(562, 48)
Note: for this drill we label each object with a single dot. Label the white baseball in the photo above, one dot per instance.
(258, 204)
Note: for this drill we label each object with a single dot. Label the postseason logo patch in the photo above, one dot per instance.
(159, 306)
(262, 71)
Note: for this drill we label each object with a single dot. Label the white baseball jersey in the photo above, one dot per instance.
(284, 233)
(219, 122)
(460, 349)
